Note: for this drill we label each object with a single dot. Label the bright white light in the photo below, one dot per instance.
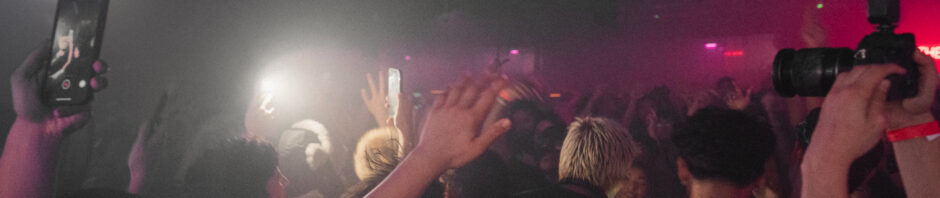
(711, 45)
(270, 85)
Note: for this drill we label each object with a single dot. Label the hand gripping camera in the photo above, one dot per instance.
(812, 71)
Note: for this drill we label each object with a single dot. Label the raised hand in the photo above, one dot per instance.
(814, 35)
(452, 136)
(453, 132)
(740, 99)
(376, 99)
(26, 85)
(27, 166)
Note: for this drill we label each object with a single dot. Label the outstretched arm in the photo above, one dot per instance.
(452, 136)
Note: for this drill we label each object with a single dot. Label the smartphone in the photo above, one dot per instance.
(394, 88)
(76, 43)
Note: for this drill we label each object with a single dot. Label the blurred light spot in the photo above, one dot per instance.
(514, 52)
(656, 16)
(407, 57)
(711, 45)
(270, 85)
(734, 53)
(437, 92)
(819, 6)
(554, 95)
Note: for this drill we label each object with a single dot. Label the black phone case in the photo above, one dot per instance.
(72, 86)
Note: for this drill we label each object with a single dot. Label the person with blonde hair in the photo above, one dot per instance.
(596, 156)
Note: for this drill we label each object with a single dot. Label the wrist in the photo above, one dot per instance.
(825, 160)
(821, 169)
(898, 122)
(428, 159)
(36, 129)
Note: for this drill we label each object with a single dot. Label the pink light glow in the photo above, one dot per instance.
(407, 57)
(514, 52)
(711, 45)
(734, 53)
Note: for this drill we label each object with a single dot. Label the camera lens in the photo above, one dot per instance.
(809, 72)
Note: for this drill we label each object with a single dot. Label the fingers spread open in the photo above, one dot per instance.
(456, 91)
(365, 98)
(471, 93)
(372, 89)
(485, 102)
(383, 79)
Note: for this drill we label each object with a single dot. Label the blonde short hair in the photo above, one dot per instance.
(597, 150)
(376, 150)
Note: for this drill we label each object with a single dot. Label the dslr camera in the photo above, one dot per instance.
(812, 71)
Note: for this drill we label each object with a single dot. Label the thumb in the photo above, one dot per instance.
(490, 133)
(74, 122)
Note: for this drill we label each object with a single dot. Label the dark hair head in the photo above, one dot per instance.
(237, 168)
(725, 144)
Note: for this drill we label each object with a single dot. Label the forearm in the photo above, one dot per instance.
(27, 167)
(410, 178)
(824, 177)
(919, 163)
(136, 183)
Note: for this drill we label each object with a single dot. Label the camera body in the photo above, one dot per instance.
(812, 71)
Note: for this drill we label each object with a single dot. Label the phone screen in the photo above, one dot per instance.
(76, 42)
(394, 88)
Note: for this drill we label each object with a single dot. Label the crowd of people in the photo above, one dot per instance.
(491, 135)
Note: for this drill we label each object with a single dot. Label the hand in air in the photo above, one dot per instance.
(740, 99)
(454, 133)
(376, 99)
(26, 85)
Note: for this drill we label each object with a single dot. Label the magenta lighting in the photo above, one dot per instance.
(514, 52)
(407, 57)
(711, 45)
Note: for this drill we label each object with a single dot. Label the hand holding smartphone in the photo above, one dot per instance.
(77, 35)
